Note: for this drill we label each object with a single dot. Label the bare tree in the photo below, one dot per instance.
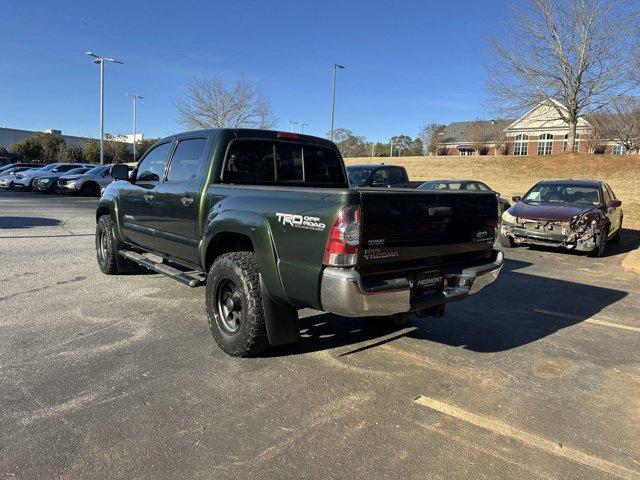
(573, 51)
(211, 104)
(498, 136)
(621, 122)
(430, 136)
(479, 135)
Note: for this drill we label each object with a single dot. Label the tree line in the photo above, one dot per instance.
(50, 147)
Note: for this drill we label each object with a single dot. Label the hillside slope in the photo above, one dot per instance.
(512, 175)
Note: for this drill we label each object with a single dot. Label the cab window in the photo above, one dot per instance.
(151, 168)
(187, 160)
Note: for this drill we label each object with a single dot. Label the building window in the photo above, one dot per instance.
(521, 146)
(465, 152)
(619, 150)
(576, 143)
(545, 144)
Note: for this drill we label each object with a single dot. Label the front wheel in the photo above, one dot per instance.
(505, 241)
(109, 260)
(601, 244)
(235, 306)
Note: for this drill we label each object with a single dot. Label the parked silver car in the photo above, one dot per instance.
(8, 176)
(25, 180)
(90, 183)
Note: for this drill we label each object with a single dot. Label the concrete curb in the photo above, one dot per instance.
(632, 261)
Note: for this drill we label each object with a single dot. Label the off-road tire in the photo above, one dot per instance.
(106, 246)
(241, 269)
(505, 241)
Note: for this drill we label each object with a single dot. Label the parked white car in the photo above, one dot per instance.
(89, 183)
(8, 176)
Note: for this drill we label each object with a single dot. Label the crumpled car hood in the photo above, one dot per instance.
(549, 211)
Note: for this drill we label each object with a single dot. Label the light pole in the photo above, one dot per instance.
(333, 98)
(292, 125)
(135, 101)
(302, 127)
(100, 60)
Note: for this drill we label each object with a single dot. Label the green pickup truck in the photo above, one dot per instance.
(268, 221)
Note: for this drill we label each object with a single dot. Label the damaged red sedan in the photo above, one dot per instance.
(582, 215)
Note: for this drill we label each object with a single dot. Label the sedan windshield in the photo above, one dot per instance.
(563, 193)
(97, 170)
(77, 171)
(359, 176)
(440, 186)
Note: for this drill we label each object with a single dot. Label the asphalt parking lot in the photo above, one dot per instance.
(536, 377)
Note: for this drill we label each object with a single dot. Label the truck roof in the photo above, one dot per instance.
(373, 165)
(258, 133)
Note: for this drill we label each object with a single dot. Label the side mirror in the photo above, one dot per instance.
(516, 198)
(615, 203)
(497, 194)
(119, 172)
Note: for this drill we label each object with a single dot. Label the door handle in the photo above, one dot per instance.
(186, 201)
(148, 197)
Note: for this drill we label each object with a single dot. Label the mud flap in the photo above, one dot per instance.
(281, 320)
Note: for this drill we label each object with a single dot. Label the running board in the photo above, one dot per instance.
(191, 279)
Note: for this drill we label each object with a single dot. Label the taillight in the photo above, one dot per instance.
(288, 136)
(344, 238)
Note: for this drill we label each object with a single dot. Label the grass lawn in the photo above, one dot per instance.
(512, 175)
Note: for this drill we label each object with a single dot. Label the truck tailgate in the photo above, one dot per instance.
(411, 229)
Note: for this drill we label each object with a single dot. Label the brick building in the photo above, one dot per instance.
(539, 132)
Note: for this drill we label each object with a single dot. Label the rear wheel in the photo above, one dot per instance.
(90, 188)
(235, 305)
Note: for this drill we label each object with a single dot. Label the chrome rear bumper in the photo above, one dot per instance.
(342, 291)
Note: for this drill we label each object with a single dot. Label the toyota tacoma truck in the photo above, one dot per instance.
(267, 221)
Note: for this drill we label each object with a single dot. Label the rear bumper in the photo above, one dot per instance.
(342, 292)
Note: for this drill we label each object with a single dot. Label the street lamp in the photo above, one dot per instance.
(302, 125)
(100, 60)
(135, 98)
(292, 125)
(333, 98)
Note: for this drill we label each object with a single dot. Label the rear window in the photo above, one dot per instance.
(282, 163)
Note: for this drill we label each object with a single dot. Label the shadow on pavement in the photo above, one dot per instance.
(27, 222)
(501, 317)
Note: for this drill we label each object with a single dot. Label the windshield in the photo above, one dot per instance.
(49, 167)
(76, 171)
(440, 186)
(359, 176)
(96, 170)
(563, 193)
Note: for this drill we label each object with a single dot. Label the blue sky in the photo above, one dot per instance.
(408, 62)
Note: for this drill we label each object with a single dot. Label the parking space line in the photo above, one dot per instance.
(506, 430)
(595, 321)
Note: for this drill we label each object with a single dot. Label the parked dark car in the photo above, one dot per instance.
(581, 215)
(49, 181)
(468, 185)
(379, 175)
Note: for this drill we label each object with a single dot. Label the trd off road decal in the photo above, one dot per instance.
(300, 221)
